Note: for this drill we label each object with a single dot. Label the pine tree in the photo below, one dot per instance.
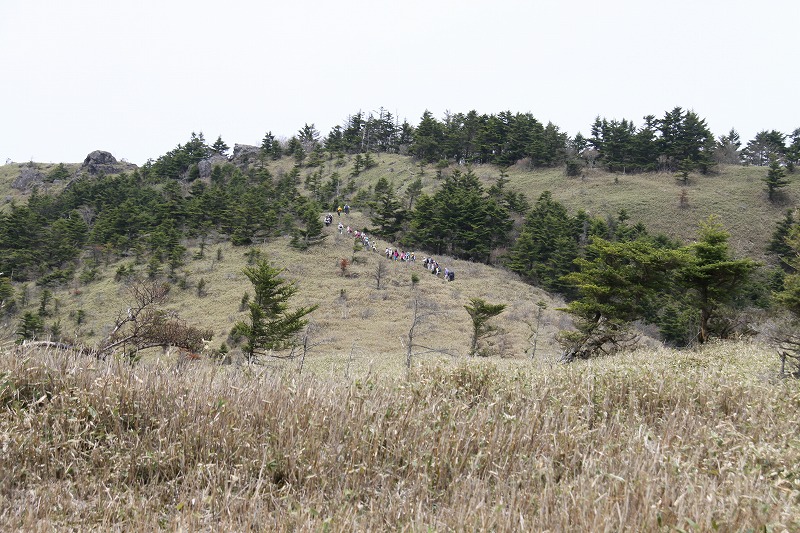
(270, 325)
(311, 231)
(712, 276)
(779, 244)
(617, 283)
(413, 191)
(387, 212)
(219, 146)
(30, 327)
(460, 219)
(481, 312)
(546, 247)
(775, 179)
(428, 142)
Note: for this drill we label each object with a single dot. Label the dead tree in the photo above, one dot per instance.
(380, 273)
(144, 325)
(423, 320)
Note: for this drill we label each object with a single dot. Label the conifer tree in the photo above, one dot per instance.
(711, 274)
(546, 247)
(481, 312)
(219, 146)
(779, 244)
(617, 283)
(270, 325)
(310, 232)
(775, 179)
(460, 219)
(387, 212)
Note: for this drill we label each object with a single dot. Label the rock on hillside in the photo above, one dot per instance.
(103, 162)
(28, 177)
(205, 166)
(244, 154)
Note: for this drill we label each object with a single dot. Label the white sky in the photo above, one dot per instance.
(136, 77)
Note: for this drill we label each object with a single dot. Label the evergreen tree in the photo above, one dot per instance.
(387, 212)
(30, 327)
(59, 172)
(460, 219)
(308, 137)
(764, 147)
(617, 283)
(727, 148)
(775, 179)
(547, 245)
(310, 232)
(481, 312)
(413, 191)
(792, 154)
(428, 144)
(271, 147)
(219, 146)
(779, 244)
(712, 276)
(270, 325)
(7, 303)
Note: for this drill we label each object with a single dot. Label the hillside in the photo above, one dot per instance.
(734, 193)
(354, 321)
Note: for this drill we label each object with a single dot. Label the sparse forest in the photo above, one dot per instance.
(198, 193)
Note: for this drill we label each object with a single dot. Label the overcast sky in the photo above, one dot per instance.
(137, 77)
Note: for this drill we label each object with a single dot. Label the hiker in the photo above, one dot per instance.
(339, 211)
(341, 229)
(346, 209)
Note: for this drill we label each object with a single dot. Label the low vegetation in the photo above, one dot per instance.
(654, 440)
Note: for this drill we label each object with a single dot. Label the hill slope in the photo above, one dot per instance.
(355, 320)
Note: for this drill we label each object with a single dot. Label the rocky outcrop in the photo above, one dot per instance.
(207, 165)
(99, 162)
(102, 162)
(244, 154)
(28, 178)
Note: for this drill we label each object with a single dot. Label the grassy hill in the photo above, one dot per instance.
(735, 194)
(356, 322)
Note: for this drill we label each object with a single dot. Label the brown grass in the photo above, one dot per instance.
(650, 441)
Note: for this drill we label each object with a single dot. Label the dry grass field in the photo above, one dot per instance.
(655, 440)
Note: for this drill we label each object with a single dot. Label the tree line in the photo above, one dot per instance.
(678, 140)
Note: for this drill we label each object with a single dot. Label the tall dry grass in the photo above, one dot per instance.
(650, 441)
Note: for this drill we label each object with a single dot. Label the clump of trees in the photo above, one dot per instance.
(619, 283)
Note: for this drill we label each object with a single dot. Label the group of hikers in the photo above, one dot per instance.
(393, 254)
(429, 262)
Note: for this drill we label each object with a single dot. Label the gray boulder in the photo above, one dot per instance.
(244, 154)
(28, 177)
(103, 162)
(207, 165)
